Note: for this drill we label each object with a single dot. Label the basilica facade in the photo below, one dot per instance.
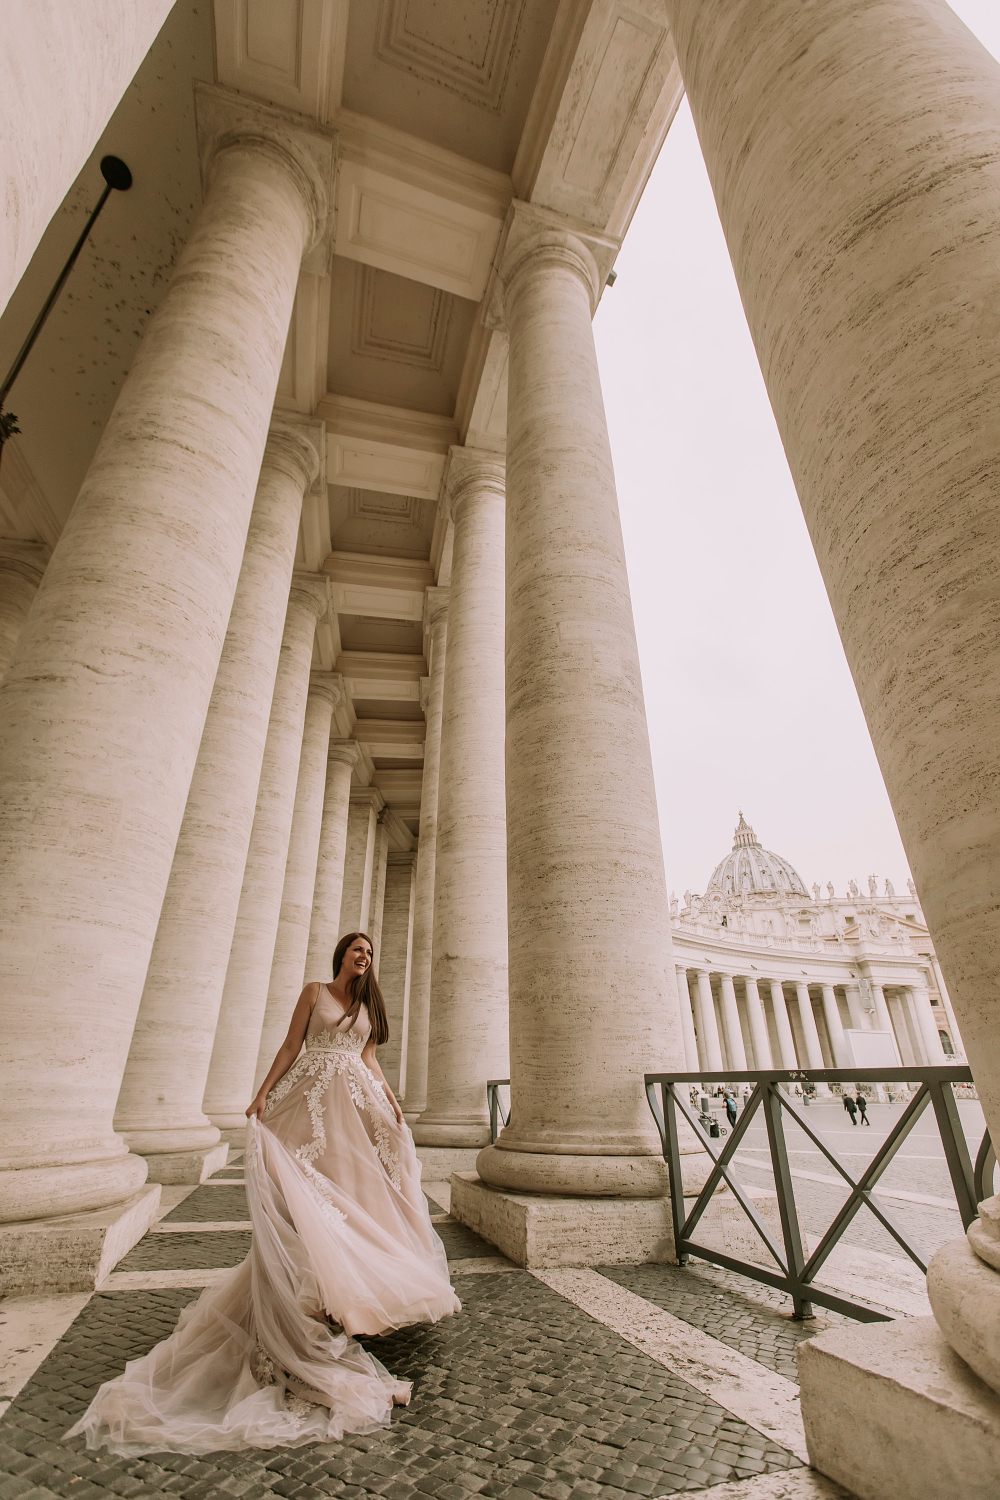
(778, 975)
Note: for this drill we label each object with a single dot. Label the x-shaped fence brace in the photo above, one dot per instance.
(796, 1271)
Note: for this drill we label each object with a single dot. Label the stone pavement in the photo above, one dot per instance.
(568, 1385)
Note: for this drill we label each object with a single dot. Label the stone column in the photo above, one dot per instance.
(394, 969)
(291, 944)
(63, 70)
(585, 861)
(418, 1028)
(687, 1021)
(21, 567)
(814, 1052)
(377, 907)
(920, 1001)
(241, 1014)
(731, 1021)
(468, 1024)
(758, 1025)
(835, 1028)
(160, 1102)
(782, 1025)
(859, 1020)
(104, 702)
(883, 1020)
(708, 1026)
(359, 860)
(324, 933)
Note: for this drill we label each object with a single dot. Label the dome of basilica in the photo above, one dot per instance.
(751, 869)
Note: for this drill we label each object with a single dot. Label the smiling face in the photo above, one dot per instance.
(356, 959)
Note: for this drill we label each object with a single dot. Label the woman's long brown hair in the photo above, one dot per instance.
(363, 989)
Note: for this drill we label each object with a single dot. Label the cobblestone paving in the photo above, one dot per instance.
(749, 1317)
(521, 1395)
(187, 1252)
(224, 1205)
(463, 1244)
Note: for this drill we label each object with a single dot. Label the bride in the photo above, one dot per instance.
(342, 1247)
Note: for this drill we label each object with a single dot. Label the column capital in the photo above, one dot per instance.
(535, 239)
(348, 752)
(329, 685)
(297, 448)
(468, 472)
(435, 607)
(310, 591)
(367, 796)
(227, 121)
(30, 559)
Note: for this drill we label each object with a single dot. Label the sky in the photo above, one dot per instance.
(750, 702)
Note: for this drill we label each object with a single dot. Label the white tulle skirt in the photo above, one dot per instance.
(265, 1358)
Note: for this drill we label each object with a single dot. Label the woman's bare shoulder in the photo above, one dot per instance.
(311, 992)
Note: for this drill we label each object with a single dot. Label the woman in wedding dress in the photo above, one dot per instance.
(342, 1246)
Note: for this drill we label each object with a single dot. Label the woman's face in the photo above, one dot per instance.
(357, 958)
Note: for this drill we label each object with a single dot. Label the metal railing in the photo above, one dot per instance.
(797, 1270)
(493, 1087)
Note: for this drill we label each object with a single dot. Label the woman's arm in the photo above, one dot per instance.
(289, 1049)
(368, 1058)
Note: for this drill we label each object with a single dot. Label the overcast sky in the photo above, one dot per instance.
(750, 701)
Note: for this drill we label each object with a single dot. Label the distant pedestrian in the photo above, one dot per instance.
(862, 1108)
(851, 1107)
(731, 1109)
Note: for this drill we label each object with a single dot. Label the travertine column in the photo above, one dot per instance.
(436, 631)
(468, 1024)
(359, 859)
(237, 1034)
(394, 969)
(325, 929)
(687, 1020)
(782, 1025)
(291, 944)
(708, 1026)
(920, 1000)
(63, 70)
(883, 1020)
(160, 1102)
(21, 567)
(835, 1027)
(758, 1025)
(585, 862)
(859, 1020)
(377, 906)
(814, 1052)
(854, 152)
(103, 704)
(731, 1021)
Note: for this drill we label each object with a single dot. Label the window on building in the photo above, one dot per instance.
(947, 1044)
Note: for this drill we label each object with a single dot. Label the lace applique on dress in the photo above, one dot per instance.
(324, 1192)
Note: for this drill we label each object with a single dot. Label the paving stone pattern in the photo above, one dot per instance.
(521, 1395)
(461, 1243)
(187, 1252)
(224, 1205)
(747, 1316)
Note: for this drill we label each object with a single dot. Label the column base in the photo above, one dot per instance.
(578, 1176)
(534, 1229)
(964, 1294)
(76, 1252)
(438, 1162)
(179, 1167)
(472, 1134)
(236, 1137)
(892, 1413)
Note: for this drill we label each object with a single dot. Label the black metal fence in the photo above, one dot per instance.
(770, 1099)
(497, 1111)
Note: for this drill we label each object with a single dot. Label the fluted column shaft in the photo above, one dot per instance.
(291, 944)
(708, 1026)
(731, 1020)
(103, 705)
(835, 1027)
(418, 1028)
(687, 1020)
(468, 1024)
(585, 861)
(782, 1025)
(160, 1101)
(324, 931)
(21, 567)
(237, 1034)
(758, 1025)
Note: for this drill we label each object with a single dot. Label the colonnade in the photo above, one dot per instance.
(749, 1021)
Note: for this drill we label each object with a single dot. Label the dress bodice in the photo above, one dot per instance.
(327, 1032)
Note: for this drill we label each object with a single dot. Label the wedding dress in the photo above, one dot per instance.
(342, 1245)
